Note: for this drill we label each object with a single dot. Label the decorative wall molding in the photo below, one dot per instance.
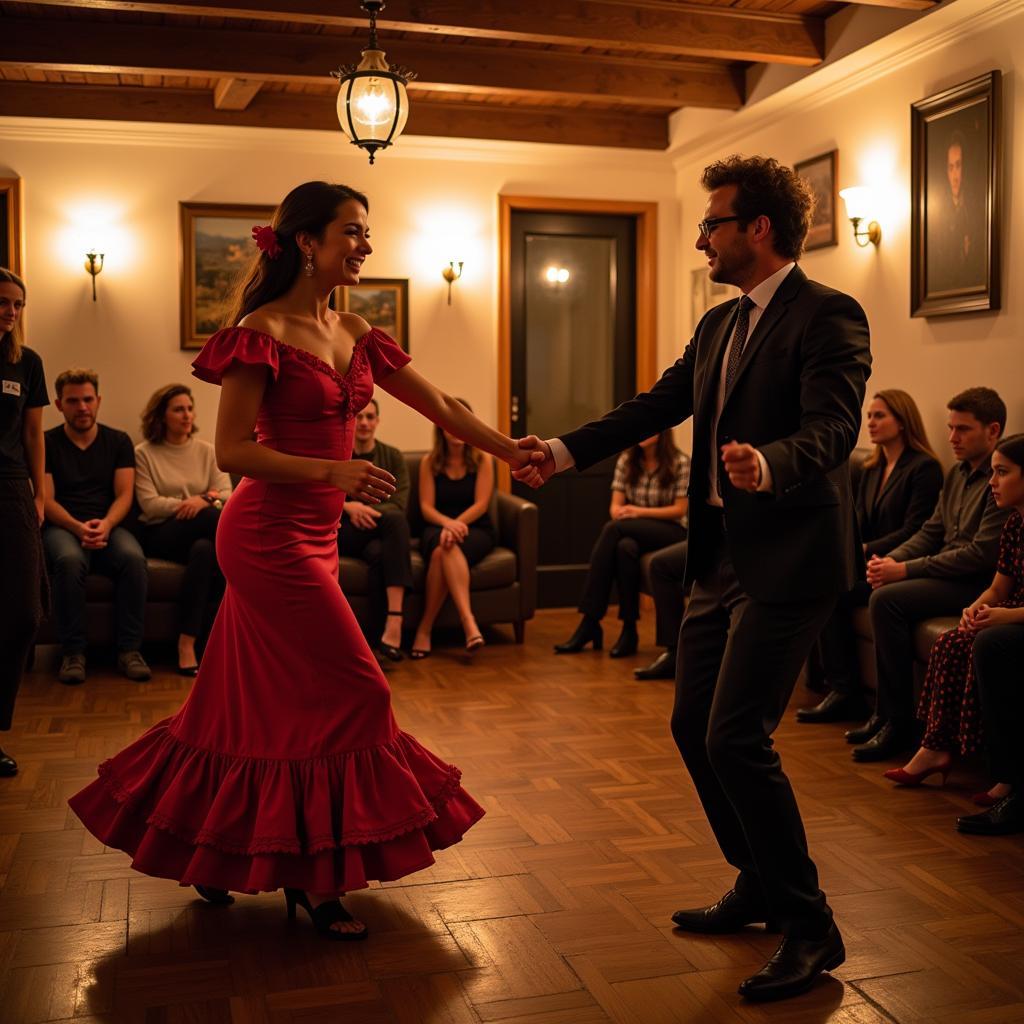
(942, 28)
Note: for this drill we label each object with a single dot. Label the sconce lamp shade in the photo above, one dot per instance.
(858, 202)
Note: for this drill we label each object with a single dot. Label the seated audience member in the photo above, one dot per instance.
(896, 492)
(997, 657)
(667, 571)
(938, 571)
(181, 491)
(90, 483)
(455, 488)
(949, 700)
(648, 511)
(380, 533)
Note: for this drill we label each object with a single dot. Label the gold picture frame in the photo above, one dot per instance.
(383, 302)
(216, 249)
(10, 224)
(822, 176)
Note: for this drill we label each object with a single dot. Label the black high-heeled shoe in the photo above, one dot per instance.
(627, 643)
(587, 632)
(219, 897)
(390, 652)
(323, 916)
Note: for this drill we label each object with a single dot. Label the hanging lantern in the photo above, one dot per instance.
(372, 102)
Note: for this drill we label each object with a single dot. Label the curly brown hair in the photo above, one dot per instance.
(764, 187)
(154, 425)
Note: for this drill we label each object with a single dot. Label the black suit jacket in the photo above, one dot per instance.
(797, 396)
(889, 518)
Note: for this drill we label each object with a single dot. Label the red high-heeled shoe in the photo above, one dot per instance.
(904, 778)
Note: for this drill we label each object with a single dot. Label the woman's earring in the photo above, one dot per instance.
(309, 270)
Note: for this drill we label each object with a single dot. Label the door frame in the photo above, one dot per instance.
(646, 215)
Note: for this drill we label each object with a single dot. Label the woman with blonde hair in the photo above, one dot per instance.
(455, 491)
(23, 579)
(895, 493)
(181, 490)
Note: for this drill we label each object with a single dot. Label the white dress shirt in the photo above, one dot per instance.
(760, 295)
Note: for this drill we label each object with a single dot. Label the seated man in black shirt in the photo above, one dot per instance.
(380, 533)
(90, 482)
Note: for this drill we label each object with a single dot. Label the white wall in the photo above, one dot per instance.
(426, 198)
(861, 106)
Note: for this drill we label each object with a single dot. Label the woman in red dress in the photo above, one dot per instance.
(285, 766)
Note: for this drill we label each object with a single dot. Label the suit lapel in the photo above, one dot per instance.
(787, 291)
(708, 384)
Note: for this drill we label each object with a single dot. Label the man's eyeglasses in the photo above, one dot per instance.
(705, 227)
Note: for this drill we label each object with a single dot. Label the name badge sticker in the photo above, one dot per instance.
(12, 387)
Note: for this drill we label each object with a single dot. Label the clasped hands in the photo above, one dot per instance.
(978, 617)
(94, 534)
(885, 570)
(191, 507)
(740, 460)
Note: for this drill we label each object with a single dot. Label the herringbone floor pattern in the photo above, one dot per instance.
(555, 910)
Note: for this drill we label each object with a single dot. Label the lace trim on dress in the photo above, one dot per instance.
(314, 362)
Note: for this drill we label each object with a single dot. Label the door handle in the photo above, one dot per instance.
(515, 409)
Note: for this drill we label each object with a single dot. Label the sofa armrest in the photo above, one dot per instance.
(518, 530)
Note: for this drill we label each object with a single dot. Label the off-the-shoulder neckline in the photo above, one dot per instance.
(304, 352)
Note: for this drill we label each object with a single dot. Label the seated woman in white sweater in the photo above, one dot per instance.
(181, 491)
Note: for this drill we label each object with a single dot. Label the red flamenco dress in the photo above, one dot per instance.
(285, 766)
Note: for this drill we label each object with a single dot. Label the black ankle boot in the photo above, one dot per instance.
(588, 631)
(627, 643)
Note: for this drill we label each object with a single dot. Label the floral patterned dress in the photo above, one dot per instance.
(949, 698)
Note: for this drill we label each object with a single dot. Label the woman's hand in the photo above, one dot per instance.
(38, 502)
(457, 528)
(191, 507)
(966, 624)
(987, 616)
(448, 539)
(362, 480)
(626, 512)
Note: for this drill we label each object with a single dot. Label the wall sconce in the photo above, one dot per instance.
(451, 275)
(556, 275)
(858, 208)
(93, 266)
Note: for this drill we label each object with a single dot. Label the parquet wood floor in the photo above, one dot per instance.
(554, 910)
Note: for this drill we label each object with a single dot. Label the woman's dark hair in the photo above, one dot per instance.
(665, 451)
(439, 450)
(1012, 447)
(309, 207)
(10, 341)
(764, 187)
(154, 425)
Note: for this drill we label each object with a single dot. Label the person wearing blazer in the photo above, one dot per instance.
(774, 382)
(895, 493)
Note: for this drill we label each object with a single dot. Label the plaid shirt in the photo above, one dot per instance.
(648, 492)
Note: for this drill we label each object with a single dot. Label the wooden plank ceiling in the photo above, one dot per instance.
(588, 72)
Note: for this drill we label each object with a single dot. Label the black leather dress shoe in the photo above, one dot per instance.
(731, 913)
(1001, 819)
(836, 707)
(864, 732)
(8, 766)
(627, 643)
(794, 966)
(663, 666)
(891, 740)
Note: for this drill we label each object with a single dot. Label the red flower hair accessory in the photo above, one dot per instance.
(266, 241)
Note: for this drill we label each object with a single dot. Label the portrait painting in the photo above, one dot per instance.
(956, 199)
(821, 174)
(383, 302)
(10, 224)
(216, 250)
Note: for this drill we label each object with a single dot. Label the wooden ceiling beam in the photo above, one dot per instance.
(906, 5)
(111, 47)
(279, 110)
(235, 93)
(655, 26)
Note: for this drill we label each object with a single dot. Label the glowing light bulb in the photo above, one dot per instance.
(374, 107)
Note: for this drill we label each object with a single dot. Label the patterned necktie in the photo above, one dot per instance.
(738, 341)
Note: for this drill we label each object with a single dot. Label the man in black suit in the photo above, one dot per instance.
(774, 382)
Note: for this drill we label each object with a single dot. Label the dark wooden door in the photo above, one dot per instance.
(573, 357)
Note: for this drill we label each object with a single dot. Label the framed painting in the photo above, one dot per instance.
(216, 250)
(382, 302)
(956, 153)
(705, 293)
(822, 175)
(10, 224)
